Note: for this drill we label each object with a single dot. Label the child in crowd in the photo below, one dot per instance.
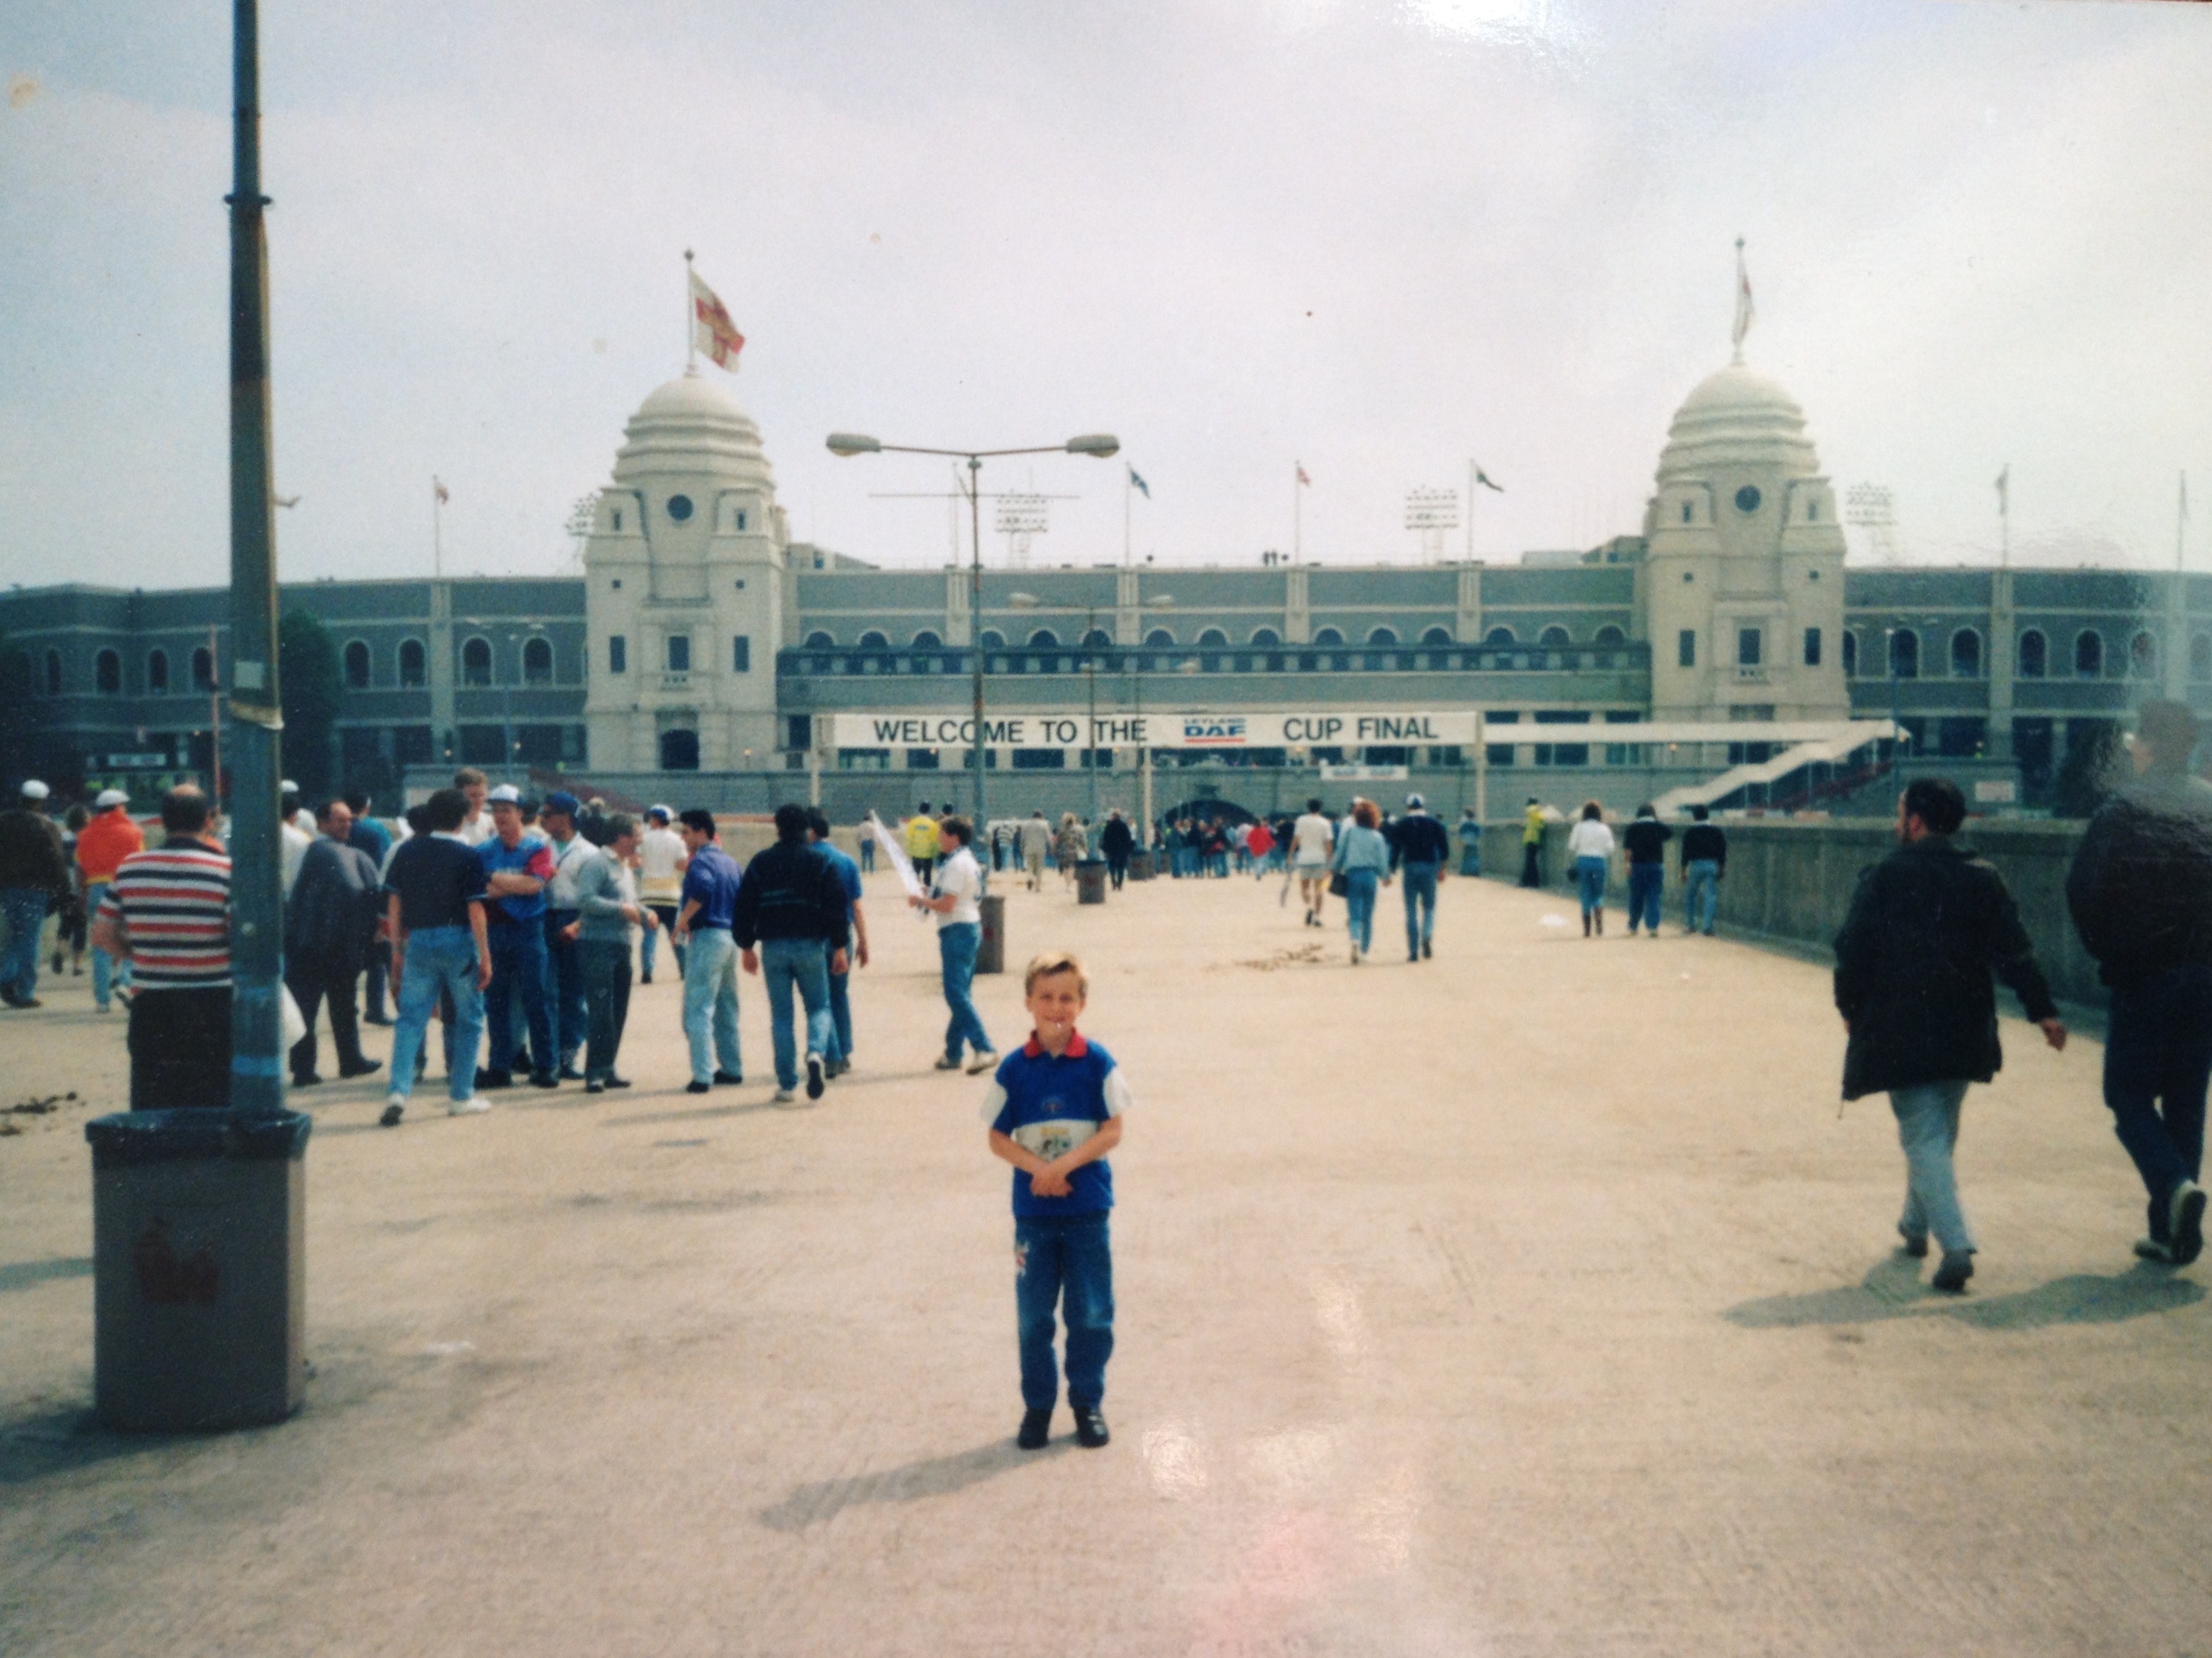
(1056, 1109)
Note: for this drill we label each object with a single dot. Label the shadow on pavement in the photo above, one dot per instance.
(1894, 1290)
(60, 1441)
(22, 1274)
(936, 1476)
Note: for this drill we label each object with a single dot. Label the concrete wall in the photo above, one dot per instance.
(1792, 881)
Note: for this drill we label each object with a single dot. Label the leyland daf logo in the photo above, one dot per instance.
(1211, 730)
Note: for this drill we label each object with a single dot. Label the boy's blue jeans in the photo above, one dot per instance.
(956, 945)
(1645, 884)
(1068, 1262)
(438, 958)
(1701, 896)
(789, 964)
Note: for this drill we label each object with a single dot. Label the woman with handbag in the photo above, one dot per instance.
(1362, 864)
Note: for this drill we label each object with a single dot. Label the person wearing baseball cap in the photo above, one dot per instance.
(662, 857)
(1418, 848)
(517, 866)
(33, 872)
(564, 962)
(101, 847)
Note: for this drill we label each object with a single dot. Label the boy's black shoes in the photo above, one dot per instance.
(1090, 1427)
(1036, 1428)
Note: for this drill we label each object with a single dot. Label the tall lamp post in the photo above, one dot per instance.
(1099, 444)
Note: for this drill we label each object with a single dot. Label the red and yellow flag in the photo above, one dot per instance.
(711, 331)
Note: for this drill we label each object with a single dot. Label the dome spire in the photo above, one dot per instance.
(1745, 315)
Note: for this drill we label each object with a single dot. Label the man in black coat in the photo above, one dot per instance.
(1928, 926)
(330, 931)
(1418, 848)
(2140, 893)
(792, 906)
(1117, 840)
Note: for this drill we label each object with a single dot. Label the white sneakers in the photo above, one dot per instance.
(468, 1108)
(980, 1062)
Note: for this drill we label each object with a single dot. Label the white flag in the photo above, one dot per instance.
(711, 331)
(1745, 313)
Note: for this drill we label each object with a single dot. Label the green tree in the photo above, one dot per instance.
(313, 695)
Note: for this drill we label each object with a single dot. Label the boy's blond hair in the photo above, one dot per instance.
(1054, 961)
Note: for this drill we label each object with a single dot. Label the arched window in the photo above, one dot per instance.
(2200, 657)
(1160, 638)
(1213, 637)
(157, 672)
(1850, 654)
(1436, 636)
(538, 662)
(873, 640)
(2035, 655)
(356, 665)
(203, 668)
(107, 673)
(818, 640)
(1328, 636)
(1610, 637)
(2088, 654)
(1903, 654)
(1044, 640)
(993, 640)
(1097, 640)
(1266, 636)
(1499, 636)
(1381, 636)
(1966, 655)
(2142, 657)
(476, 662)
(53, 673)
(926, 640)
(679, 750)
(412, 663)
(1554, 639)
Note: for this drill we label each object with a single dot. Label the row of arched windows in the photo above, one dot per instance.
(1553, 638)
(356, 667)
(2086, 658)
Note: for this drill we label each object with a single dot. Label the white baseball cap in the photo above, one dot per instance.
(506, 793)
(1416, 800)
(34, 790)
(662, 812)
(107, 798)
(288, 786)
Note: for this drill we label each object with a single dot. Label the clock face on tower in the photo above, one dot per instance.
(679, 506)
(1746, 499)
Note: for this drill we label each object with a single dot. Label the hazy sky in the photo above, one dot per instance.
(1377, 237)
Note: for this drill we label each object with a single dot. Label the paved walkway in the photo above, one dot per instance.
(1535, 1300)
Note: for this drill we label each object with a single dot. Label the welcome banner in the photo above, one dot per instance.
(1358, 727)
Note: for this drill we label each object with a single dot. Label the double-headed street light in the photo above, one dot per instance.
(1101, 445)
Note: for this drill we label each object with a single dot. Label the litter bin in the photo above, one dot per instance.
(1090, 881)
(1140, 866)
(199, 1269)
(991, 953)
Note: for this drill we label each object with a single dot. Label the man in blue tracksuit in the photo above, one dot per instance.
(1419, 847)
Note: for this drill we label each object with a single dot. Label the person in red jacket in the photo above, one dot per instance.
(101, 847)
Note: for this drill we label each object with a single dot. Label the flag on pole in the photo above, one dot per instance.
(1137, 478)
(1302, 479)
(1484, 479)
(711, 331)
(440, 491)
(1746, 313)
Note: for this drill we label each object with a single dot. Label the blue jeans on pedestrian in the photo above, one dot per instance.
(1645, 883)
(1701, 894)
(518, 964)
(1064, 1262)
(1928, 1128)
(868, 854)
(25, 910)
(1470, 857)
(710, 1002)
(1589, 881)
(438, 959)
(564, 983)
(788, 965)
(841, 1009)
(958, 942)
(1420, 883)
(2158, 1063)
(1359, 886)
(108, 974)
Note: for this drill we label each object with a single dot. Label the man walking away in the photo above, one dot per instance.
(1419, 848)
(1036, 838)
(1313, 843)
(660, 857)
(516, 867)
(374, 841)
(607, 908)
(1532, 844)
(710, 962)
(839, 1057)
(1928, 926)
(329, 930)
(1116, 840)
(2140, 892)
(1705, 856)
(570, 1017)
(866, 834)
(922, 842)
(33, 873)
(101, 847)
(167, 914)
(793, 907)
(1645, 841)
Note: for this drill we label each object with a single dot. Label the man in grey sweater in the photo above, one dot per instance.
(608, 915)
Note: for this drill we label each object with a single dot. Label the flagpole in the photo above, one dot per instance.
(2004, 517)
(1470, 511)
(1128, 505)
(691, 325)
(437, 528)
(1297, 512)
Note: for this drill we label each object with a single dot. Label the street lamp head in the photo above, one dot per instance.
(853, 443)
(1100, 444)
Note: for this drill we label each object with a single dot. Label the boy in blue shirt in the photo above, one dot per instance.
(1056, 1109)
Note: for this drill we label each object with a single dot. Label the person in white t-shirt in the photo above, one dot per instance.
(475, 828)
(662, 857)
(1589, 844)
(956, 899)
(1313, 839)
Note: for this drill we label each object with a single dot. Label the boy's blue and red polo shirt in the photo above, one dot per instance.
(1050, 1105)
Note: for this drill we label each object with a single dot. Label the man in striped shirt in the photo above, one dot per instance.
(167, 913)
